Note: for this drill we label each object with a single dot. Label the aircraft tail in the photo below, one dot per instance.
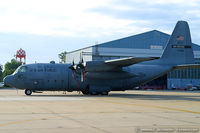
(179, 47)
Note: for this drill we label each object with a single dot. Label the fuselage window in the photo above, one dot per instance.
(23, 69)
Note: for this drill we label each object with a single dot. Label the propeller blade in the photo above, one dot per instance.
(73, 66)
(81, 64)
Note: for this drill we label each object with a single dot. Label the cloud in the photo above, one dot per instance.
(151, 11)
(93, 17)
(52, 17)
(47, 27)
(158, 14)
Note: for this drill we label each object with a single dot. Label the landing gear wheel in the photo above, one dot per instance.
(104, 93)
(28, 92)
(86, 91)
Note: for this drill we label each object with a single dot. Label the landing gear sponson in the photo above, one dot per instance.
(95, 93)
(29, 92)
(95, 90)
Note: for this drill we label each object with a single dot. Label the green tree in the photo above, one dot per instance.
(62, 57)
(1, 72)
(10, 67)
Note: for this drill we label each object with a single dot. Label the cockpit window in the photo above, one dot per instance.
(21, 69)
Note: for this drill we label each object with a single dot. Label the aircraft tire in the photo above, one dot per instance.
(86, 91)
(28, 92)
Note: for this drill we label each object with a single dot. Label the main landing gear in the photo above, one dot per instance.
(99, 93)
(28, 92)
(94, 93)
(95, 90)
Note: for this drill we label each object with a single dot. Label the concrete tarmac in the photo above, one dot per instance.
(120, 112)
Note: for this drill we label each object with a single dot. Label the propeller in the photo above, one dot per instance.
(81, 64)
(73, 66)
(78, 68)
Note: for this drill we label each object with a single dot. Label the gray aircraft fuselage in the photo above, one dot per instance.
(58, 77)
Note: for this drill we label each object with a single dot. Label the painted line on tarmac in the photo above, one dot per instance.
(153, 106)
(24, 121)
(40, 99)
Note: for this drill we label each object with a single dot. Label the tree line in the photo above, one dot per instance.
(9, 68)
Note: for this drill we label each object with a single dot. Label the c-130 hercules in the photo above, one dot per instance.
(101, 77)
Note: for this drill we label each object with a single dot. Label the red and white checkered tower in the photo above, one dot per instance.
(21, 54)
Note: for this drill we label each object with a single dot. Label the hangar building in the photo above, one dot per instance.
(148, 44)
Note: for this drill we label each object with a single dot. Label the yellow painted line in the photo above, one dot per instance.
(24, 121)
(152, 106)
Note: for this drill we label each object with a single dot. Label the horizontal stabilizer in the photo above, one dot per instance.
(128, 61)
(187, 66)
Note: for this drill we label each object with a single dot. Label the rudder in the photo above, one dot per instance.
(179, 47)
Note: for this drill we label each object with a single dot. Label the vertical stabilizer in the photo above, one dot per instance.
(179, 47)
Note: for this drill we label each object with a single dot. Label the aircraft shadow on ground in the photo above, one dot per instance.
(186, 97)
(158, 97)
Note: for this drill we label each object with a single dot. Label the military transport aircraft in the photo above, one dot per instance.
(101, 77)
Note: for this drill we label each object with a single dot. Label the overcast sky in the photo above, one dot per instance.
(45, 28)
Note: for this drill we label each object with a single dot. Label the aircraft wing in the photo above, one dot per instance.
(116, 64)
(128, 61)
(186, 66)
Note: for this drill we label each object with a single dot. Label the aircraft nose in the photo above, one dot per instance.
(9, 80)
